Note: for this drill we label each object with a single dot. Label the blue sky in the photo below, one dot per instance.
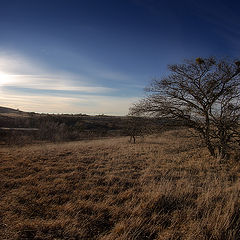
(95, 57)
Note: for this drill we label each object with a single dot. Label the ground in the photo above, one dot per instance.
(164, 187)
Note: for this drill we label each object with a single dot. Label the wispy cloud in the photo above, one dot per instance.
(31, 86)
(59, 104)
(50, 82)
(20, 72)
(111, 75)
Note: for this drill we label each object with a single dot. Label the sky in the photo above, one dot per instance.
(96, 57)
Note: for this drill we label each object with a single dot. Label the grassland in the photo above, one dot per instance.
(166, 187)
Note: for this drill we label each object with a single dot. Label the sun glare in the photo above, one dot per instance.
(5, 78)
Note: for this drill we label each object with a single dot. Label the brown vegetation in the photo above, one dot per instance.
(167, 187)
(25, 128)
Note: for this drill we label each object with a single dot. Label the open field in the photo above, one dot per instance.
(162, 188)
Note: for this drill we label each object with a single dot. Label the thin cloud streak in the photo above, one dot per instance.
(32, 87)
(79, 104)
(55, 83)
(21, 72)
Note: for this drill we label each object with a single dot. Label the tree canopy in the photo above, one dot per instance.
(204, 94)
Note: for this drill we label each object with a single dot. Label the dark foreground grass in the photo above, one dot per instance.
(163, 188)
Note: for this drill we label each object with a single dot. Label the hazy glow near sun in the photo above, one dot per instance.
(5, 78)
(31, 86)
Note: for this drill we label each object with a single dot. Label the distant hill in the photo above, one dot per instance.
(9, 110)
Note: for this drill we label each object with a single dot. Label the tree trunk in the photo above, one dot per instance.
(210, 147)
(132, 137)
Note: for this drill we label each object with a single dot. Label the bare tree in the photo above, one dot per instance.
(135, 127)
(205, 95)
(139, 127)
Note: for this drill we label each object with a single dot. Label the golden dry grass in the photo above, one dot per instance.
(163, 188)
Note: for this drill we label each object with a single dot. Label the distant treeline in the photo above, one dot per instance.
(67, 127)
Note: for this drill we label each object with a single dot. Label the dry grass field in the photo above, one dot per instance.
(162, 188)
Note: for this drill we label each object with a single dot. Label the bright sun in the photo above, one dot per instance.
(4, 78)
